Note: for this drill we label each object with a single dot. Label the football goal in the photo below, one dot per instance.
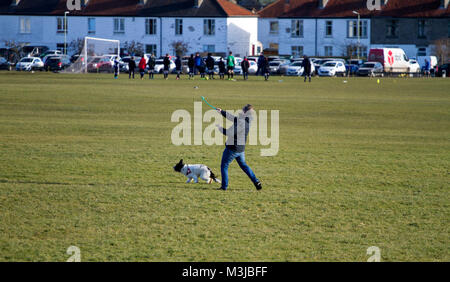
(97, 55)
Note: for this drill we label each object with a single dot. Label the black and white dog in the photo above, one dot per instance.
(196, 171)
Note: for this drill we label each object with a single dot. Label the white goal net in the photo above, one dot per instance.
(98, 55)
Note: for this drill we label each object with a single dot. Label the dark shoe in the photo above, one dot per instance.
(258, 185)
(223, 189)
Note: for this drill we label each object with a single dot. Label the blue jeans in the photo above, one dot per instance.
(227, 157)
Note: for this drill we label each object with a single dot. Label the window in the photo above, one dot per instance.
(209, 27)
(209, 48)
(328, 51)
(297, 51)
(353, 52)
(353, 29)
(363, 51)
(25, 25)
(119, 25)
(392, 29)
(61, 47)
(421, 51)
(421, 28)
(150, 49)
(91, 25)
(61, 26)
(273, 27)
(178, 26)
(296, 28)
(150, 26)
(328, 28)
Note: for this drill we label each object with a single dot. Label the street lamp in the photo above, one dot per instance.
(358, 28)
(65, 32)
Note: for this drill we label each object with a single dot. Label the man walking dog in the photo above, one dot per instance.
(235, 144)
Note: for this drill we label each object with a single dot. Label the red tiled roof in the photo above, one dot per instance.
(163, 8)
(101, 8)
(345, 8)
(233, 9)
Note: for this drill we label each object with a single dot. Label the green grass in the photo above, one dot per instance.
(86, 160)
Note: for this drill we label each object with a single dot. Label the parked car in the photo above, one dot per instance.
(74, 58)
(159, 66)
(431, 59)
(50, 53)
(57, 63)
(29, 64)
(273, 58)
(356, 62)
(443, 70)
(4, 64)
(284, 68)
(274, 67)
(414, 66)
(332, 68)
(370, 69)
(123, 64)
(105, 64)
(34, 51)
(319, 62)
(296, 68)
(93, 64)
(392, 59)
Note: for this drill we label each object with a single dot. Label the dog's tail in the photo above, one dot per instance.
(213, 176)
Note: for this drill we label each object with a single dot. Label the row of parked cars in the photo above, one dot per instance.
(54, 60)
(327, 67)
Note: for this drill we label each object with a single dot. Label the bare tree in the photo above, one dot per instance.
(134, 48)
(15, 50)
(180, 48)
(350, 49)
(441, 49)
(76, 46)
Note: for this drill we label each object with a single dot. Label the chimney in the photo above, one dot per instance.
(322, 3)
(15, 2)
(198, 3)
(444, 4)
(287, 5)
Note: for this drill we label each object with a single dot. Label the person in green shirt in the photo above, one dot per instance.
(230, 65)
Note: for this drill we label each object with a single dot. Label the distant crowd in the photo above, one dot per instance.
(206, 68)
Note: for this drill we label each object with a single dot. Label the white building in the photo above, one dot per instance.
(311, 27)
(217, 26)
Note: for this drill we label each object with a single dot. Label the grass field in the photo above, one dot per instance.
(87, 161)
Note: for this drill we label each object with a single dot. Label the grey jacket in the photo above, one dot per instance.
(237, 133)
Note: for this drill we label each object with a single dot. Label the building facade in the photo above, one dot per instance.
(291, 27)
(415, 29)
(215, 26)
(348, 28)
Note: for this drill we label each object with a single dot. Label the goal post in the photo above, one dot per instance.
(94, 55)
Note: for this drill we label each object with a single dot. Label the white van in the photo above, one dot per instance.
(392, 59)
(432, 59)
